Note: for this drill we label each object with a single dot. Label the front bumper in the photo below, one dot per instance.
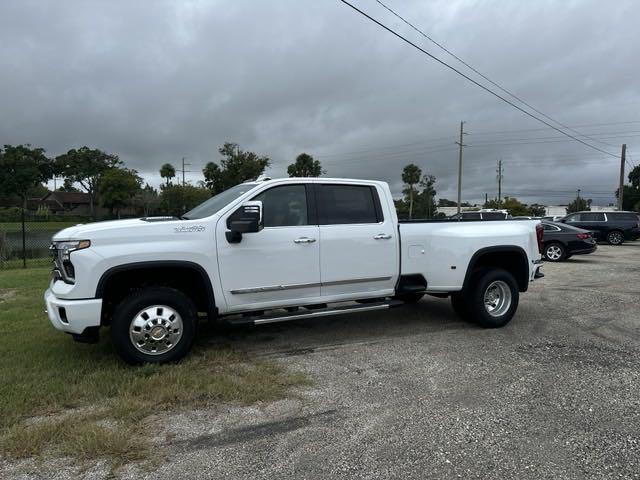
(536, 271)
(73, 316)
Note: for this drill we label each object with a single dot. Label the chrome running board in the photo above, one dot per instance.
(297, 315)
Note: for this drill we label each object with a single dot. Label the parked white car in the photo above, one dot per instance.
(276, 250)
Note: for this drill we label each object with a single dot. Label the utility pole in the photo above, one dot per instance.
(623, 158)
(486, 199)
(499, 170)
(184, 171)
(184, 207)
(460, 144)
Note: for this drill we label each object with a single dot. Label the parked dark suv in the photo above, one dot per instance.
(614, 227)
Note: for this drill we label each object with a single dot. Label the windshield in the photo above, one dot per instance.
(215, 203)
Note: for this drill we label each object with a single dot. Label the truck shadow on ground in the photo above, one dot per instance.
(304, 336)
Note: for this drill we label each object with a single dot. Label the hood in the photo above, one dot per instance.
(90, 231)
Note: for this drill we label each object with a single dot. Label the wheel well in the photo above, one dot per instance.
(190, 279)
(553, 242)
(511, 259)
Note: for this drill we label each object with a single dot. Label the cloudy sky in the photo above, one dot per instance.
(155, 81)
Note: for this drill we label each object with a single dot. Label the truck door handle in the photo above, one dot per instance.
(304, 240)
(382, 236)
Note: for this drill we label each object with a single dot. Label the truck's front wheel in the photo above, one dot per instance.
(154, 325)
(493, 298)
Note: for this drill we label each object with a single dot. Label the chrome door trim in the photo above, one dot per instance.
(275, 288)
(354, 280)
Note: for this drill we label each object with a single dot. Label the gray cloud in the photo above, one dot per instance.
(155, 81)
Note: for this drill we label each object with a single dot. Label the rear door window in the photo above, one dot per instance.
(342, 204)
(471, 216)
(592, 217)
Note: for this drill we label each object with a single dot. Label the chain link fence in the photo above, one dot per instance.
(26, 243)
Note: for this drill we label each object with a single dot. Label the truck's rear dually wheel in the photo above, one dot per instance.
(490, 300)
(154, 325)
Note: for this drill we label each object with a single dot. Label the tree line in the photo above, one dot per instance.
(419, 198)
(110, 184)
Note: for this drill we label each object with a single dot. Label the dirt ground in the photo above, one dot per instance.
(416, 393)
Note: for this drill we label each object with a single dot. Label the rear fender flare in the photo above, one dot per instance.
(522, 276)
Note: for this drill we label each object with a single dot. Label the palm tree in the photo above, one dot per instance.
(411, 175)
(167, 171)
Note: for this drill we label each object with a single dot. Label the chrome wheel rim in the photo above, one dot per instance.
(615, 238)
(553, 252)
(156, 329)
(497, 298)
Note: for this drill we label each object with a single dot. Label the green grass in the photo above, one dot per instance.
(45, 375)
(35, 226)
(31, 262)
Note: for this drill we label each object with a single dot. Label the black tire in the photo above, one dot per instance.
(130, 309)
(481, 282)
(615, 237)
(460, 306)
(410, 297)
(554, 252)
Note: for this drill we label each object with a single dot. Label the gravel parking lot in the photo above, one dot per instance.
(416, 393)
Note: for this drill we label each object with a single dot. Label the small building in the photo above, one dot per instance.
(448, 211)
(561, 210)
(555, 211)
(77, 203)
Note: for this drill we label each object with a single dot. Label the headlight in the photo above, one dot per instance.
(65, 248)
(61, 251)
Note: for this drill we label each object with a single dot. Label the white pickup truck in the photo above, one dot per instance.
(275, 250)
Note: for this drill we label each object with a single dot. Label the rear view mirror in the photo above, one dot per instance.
(247, 219)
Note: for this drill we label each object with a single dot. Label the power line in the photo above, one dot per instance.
(383, 155)
(527, 142)
(543, 129)
(630, 158)
(634, 133)
(462, 74)
(572, 190)
(528, 160)
(511, 94)
(424, 149)
(430, 147)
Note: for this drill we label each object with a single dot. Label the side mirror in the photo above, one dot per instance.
(247, 219)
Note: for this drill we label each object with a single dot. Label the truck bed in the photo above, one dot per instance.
(441, 249)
